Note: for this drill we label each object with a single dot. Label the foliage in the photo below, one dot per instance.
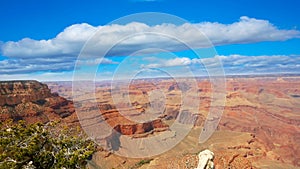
(41, 146)
(141, 163)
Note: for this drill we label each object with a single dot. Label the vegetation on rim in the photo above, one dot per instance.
(41, 146)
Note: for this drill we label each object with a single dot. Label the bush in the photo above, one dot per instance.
(141, 163)
(41, 146)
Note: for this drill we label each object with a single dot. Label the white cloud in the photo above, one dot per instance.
(235, 64)
(50, 76)
(232, 64)
(96, 61)
(247, 30)
(21, 66)
(240, 64)
(60, 52)
(183, 61)
(71, 40)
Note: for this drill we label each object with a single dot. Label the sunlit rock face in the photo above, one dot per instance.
(16, 92)
(205, 160)
(259, 125)
(32, 101)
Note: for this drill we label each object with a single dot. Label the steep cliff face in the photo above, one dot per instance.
(141, 128)
(125, 126)
(16, 92)
(32, 101)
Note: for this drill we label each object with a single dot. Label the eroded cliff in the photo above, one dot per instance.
(32, 101)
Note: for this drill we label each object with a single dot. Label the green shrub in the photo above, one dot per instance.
(141, 163)
(41, 146)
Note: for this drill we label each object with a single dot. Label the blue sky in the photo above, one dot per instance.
(42, 39)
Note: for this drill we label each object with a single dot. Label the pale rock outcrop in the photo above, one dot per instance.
(205, 160)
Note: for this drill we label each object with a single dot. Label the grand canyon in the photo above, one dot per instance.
(259, 127)
(150, 84)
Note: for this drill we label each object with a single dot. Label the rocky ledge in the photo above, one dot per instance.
(16, 92)
(32, 101)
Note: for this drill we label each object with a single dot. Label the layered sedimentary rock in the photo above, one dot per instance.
(266, 107)
(259, 126)
(140, 128)
(16, 92)
(32, 101)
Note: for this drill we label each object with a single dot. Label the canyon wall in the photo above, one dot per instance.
(16, 92)
(32, 101)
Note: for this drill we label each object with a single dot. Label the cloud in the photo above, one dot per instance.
(247, 30)
(264, 64)
(97, 61)
(60, 53)
(183, 61)
(72, 39)
(235, 64)
(69, 42)
(21, 66)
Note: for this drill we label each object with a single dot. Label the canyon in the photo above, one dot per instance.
(258, 128)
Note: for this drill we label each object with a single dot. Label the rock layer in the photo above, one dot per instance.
(32, 101)
(16, 92)
(264, 108)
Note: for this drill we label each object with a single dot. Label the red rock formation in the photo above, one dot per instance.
(16, 92)
(141, 128)
(266, 108)
(126, 126)
(32, 101)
